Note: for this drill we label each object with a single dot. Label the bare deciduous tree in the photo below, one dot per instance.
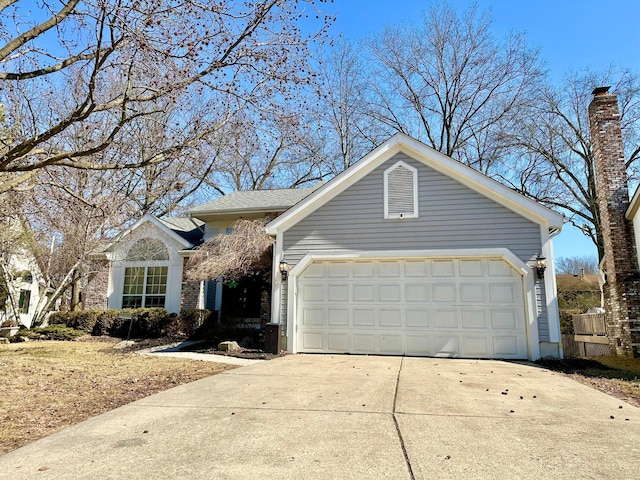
(343, 132)
(256, 152)
(552, 157)
(577, 265)
(94, 68)
(450, 83)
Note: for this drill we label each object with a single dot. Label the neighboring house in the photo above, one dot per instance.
(407, 252)
(25, 287)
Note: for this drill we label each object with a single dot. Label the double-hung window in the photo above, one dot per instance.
(144, 287)
(145, 282)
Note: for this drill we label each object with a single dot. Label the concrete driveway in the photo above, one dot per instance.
(352, 417)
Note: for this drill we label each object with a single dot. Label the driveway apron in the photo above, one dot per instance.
(352, 417)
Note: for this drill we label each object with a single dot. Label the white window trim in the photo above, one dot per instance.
(145, 265)
(414, 172)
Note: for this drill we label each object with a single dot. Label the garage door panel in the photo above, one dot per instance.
(502, 293)
(390, 268)
(446, 345)
(473, 293)
(415, 268)
(315, 270)
(475, 346)
(444, 293)
(390, 293)
(363, 269)
(419, 344)
(390, 344)
(338, 317)
(364, 343)
(363, 292)
(507, 319)
(338, 342)
(418, 317)
(472, 268)
(313, 293)
(390, 317)
(436, 307)
(313, 316)
(313, 341)
(338, 269)
(364, 317)
(445, 318)
(506, 346)
(443, 268)
(498, 268)
(474, 318)
(416, 292)
(338, 293)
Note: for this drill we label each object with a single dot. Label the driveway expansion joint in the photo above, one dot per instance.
(395, 422)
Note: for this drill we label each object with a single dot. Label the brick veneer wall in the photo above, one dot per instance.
(622, 290)
(190, 291)
(95, 291)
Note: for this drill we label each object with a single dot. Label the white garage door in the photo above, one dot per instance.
(430, 307)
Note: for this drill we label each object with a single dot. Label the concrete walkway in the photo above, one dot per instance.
(176, 350)
(352, 417)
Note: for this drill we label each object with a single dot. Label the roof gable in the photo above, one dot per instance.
(430, 157)
(160, 225)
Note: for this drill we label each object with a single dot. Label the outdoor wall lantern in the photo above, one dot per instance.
(284, 270)
(541, 266)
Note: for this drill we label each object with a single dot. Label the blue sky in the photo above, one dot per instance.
(571, 35)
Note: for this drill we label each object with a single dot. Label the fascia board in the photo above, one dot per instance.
(633, 205)
(402, 143)
(235, 211)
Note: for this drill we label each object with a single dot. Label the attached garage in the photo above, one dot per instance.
(409, 252)
(451, 307)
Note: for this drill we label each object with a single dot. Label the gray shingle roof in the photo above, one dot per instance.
(188, 228)
(259, 200)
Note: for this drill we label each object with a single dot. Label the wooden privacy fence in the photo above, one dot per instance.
(592, 324)
(590, 336)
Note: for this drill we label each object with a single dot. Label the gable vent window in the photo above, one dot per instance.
(401, 191)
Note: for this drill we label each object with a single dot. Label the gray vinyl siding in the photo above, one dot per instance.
(450, 216)
(541, 308)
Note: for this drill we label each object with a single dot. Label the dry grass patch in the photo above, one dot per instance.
(46, 386)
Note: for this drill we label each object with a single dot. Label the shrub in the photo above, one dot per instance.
(144, 323)
(60, 318)
(190, 320)
(104, 322)
(51, 332)
(84, 320)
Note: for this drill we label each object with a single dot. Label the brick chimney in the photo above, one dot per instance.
(622, 290)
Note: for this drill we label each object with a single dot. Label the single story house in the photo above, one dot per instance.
(407, 252)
